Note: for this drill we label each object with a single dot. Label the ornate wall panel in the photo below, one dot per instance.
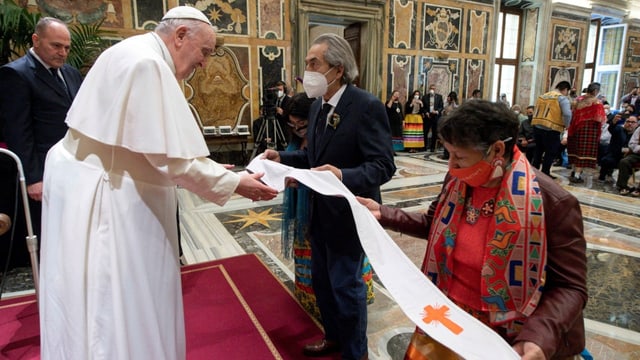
(270, 66)
(230, 16)
(478, 32)
(530, 34)
(402, 21)
(270, 19)
(632, 58)
(441, 28)
(219, 94)
(443, 73)
(147, 13)
(561, 73)
(566, 43)
(399, 75)
(473, 76)
(629, 81)
(525, 81)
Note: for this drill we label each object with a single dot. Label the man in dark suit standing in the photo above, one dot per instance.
(35, 93)
(431, 111)
(348, 135)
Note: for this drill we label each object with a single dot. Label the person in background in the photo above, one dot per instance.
(618, 147)
(450, 104)
(584, 132)
(412, 131)
(395, 115)
(431, 111)
(551, 116)
(629, 99)
(350, 137)
(503, 100)
(295, 222)
(283, 98)
(518, 111)
(36, 92)
(496, 213)
(627, 165)
(476, 94)
(526, 141)
(110, 278)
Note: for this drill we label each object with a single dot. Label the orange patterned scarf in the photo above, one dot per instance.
(513, 273)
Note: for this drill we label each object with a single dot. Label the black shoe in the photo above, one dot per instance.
(321, 348)
(576, 180)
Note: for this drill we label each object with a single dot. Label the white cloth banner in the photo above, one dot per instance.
(416, 295)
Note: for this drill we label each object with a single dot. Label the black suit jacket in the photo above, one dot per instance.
(33, 107)
(361, 147)
(438, 104)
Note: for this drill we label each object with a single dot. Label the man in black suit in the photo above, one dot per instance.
(431, 111)
(348, 135)
(35, 93)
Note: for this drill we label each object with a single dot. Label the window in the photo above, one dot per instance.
(608, 70)
(507, 54)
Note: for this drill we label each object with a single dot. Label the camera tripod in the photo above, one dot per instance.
(269, 136)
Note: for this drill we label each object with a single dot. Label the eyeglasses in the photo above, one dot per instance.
(630, 122)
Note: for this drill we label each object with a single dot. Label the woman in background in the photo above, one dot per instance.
(295, 223)
(413, 123)
(395, 115)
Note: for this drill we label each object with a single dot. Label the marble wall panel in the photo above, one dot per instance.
(219, 93)
(230, 16)
(530, 34)
(270, 19)
(402, 22)
(561, 73)
(443, 73)
(270, 67)
(632, 58)
(629, 81)
(441, 28)
(473, 77)
(147, 13)
(478, 31)
(525, 81)
(399, 75)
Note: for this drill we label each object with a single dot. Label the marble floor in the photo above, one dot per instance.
(612, 229)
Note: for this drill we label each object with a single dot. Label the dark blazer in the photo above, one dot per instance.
(361, 147)
(33, 107)
(438, 104)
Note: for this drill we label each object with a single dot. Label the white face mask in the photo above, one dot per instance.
(315, 84)
(432, 92)
(280, 93)
(416, 97)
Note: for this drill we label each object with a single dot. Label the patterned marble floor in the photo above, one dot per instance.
(612, 227)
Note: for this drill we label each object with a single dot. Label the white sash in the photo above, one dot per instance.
(416, 295)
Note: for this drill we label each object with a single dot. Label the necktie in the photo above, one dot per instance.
(54, 72)
(321, 124)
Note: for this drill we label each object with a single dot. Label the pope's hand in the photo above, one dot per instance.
(252, 188)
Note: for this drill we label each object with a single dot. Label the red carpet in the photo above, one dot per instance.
(234, 309)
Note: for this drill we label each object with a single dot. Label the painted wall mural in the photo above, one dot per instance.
(441, 28)
(530, 35)
(84, 12)
(403, 23)
(566, 43)
(399, 75)
(478, 32)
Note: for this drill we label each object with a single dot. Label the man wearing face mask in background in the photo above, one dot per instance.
(431, 111)
(281, 103)
(348, 135)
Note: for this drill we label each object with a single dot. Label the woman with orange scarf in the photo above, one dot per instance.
(506, 244)
(584, 132)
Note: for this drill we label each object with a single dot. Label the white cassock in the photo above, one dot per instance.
(110, 275)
